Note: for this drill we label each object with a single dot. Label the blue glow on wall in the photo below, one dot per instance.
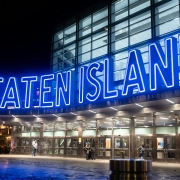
(94, 82)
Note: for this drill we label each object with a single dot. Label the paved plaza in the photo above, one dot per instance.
(43, 167)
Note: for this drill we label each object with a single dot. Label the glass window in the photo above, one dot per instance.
(100, 15)
(70, 34)
(140, 37)
(100, 24)
(119, 44)
(85, 22)
(119, 5)
(84, 48)
(139, 5)
(99, 52)
(58, 36)
(84, 57)
(100, 42)
(85, 31)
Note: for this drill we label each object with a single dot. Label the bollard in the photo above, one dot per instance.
(130, 169)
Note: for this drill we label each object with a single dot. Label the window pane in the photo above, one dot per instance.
(119, 5)
(145, 24)
(84, 41)
(142, 36)
(100, 15)
(58, 36)
(85, 22)
(167, 15)
(99, 35)
(84, 57)
(99, 52)
(85, 31)
(100, 24)
(167, 27)
(139, 6)
(69, 34)
(120, 44)
(85, 48)
(121, 33)
(100, 42)
(119, 15)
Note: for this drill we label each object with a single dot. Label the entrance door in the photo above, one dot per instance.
(72, 146)
(103, 148)
(121, 147)
(91, 140)
(165, 149)
(147, 142)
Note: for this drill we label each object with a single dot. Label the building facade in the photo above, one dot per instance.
(122, 58)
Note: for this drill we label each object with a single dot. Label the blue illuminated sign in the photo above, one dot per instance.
(95, 82)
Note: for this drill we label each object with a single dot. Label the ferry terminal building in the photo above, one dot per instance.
(114, 82)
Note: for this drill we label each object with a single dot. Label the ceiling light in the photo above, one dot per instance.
(13, 116)
(171, 111)
(170, 101)
(163, 118)
(73, 113)
(55, 115)
(34, 115)
(91, 111)
(138, 105)
(114, 108)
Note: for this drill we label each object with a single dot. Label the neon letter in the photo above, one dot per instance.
(44, 90)
(64, 87)
(82, 84)
(29, 90)
(163, 67)
(135, 75)
(11, 95)
(94, 81)
(108, 80)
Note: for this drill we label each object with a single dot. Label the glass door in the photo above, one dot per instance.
(72, 146)
(103, 149)
(121, 147)
(59, 146)
(145, 141)
(165, 149)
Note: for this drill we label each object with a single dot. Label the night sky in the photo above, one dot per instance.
(26, 30)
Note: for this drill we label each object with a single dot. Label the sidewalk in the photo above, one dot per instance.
(48, 167)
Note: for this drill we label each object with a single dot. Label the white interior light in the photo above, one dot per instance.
(13, 116)
(73, 113)
(170, 101)
(138, 105)
(91, 111)
(34, 115)
(113, 108)
(55, 115)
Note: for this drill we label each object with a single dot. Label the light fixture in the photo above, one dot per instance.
(171, 111)
(91, 111)
(55, 115)
(113, 108)
(163, 118)
(73, 113)
(170, 101)
(34, 115)
(138, 105)
(13, 116)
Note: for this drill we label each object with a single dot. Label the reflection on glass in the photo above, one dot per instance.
(171, 155)
(148, 154)
(170, 143)
(56, 151)
(160, 155)
(61, 143)
(108, 143)
(61, 152)
(160, 143)
(56, 143)
(148, 144)
(101, 143)
(100, 153)
(117, 143)
(107, 153)
(125, 142)
(68, 142)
